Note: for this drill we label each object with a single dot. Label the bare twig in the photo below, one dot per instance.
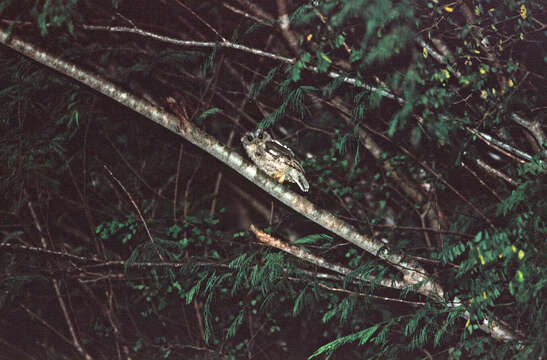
(495, 172)
(133, 170)
(75, 341)
(14, 348)
(46, 324)
(501, 146)
(247, 15)
(231, 45)
(492, 191)
(383, 298)
(136, 208)
(200, 19)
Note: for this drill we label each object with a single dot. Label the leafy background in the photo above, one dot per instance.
(400, 161)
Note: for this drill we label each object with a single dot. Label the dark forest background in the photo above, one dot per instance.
(420, 125)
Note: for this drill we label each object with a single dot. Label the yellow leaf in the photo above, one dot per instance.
(477, 51)
(482, 259)
(446, 73)
(500, 256)
(521, 254)
(425, 53)
(484, 295)
(467, 322)
(523, 11)
(448, 9)
(484, 94)
(520, 276)
(510, 83)
(514, 248)
(309, 37)
(482, 71)
(493, 91)
(521, 36)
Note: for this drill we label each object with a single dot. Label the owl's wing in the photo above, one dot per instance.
(277, 149)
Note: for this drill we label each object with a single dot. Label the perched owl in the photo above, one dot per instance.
(274, 158)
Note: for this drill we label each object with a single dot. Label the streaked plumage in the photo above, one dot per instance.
(274, 158)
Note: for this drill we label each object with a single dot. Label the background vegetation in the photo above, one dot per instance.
(419, 123)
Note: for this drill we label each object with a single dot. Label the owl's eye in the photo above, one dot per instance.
(261, 136)
(250, 137)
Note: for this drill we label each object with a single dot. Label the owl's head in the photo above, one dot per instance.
(258, 135)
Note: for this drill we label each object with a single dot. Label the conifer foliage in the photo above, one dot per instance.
(420, 126)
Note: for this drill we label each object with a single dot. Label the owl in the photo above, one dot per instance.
(274, 158)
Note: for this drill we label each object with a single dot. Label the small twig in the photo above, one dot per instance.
(181, 151)
(401, 301)
(136, 208)
(481, 181)
(15, 349)
(188, 186)
(75, 341)
(231, 45)
(133, 170)
(495, 172)
(413, 228)
(247, 15)
(46, 324)
(200, 19)
(191, 43)
(500, 146)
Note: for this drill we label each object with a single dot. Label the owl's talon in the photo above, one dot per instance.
(279, 176)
